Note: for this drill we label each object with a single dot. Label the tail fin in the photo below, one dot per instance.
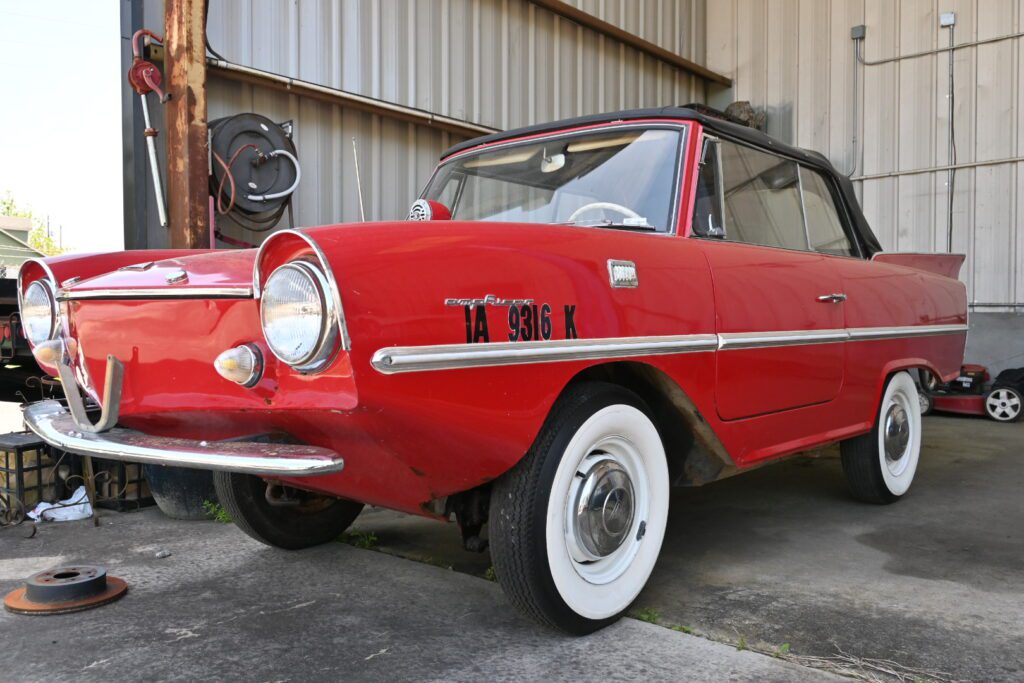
(941, 264)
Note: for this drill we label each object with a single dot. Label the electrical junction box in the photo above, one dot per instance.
(947, 19)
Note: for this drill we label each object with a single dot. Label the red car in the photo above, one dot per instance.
(593, 311)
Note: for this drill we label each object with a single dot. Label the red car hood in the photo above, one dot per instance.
(203, 270)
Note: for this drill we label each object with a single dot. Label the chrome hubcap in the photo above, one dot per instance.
(604, 508)
(897, 432)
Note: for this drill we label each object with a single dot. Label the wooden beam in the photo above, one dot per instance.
(588, 20)
(187, 145)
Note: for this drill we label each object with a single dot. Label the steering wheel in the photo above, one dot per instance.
(594, 206)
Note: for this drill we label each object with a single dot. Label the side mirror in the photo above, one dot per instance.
(429, 210)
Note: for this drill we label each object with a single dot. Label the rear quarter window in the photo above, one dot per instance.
(824, 227)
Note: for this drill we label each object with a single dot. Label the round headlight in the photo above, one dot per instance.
(299, 320)
(39, 312)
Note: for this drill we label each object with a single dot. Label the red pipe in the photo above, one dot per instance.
(136, 49)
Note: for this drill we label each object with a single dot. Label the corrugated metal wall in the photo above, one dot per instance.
(499, 63)
(796, 58)
(666, 23)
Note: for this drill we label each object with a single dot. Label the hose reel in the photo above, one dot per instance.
(254, 171)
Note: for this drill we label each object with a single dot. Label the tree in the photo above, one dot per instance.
(38, 238)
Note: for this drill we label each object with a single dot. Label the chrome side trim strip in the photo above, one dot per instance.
(871, 333)
(398, 359)
(54, 425)
(158, 293)
(755, 340)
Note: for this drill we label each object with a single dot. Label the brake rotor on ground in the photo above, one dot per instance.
(65, 589)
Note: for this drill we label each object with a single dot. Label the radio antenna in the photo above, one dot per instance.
(359, 184)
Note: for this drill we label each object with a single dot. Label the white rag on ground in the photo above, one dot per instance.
(75, 507)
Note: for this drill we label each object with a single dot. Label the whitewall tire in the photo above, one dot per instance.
(880, 465)
(576, 527)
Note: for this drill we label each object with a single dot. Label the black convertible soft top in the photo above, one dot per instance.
(869, 243)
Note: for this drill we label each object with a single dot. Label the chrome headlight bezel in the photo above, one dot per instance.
(329, 340)
(44, 285)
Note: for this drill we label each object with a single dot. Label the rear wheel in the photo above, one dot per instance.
(926, 402)
(881, 464)
(576, 526)
(310, 519)
(1003, 404)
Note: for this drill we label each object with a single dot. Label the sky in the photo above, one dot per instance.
(60, 116)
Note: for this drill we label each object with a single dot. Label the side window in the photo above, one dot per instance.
(824, 229)
(762, 198)
(707, 205)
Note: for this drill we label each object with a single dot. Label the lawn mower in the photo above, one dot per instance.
(972, 393)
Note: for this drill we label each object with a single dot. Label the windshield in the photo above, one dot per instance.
(623, 178)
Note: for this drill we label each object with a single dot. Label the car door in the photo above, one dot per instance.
(778, 304)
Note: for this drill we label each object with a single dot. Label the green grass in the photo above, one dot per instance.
(741, 644)
(781, 651)
(648, 614)
(682, 629)
(366, 540)
(216, 512)
(490, 575)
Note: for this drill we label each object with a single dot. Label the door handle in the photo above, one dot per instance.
(835, 298)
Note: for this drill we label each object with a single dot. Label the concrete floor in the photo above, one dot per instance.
(784, 555)
(777, 556)
(224, 607)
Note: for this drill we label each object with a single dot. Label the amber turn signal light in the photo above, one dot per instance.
(242, 365)
(48, 352)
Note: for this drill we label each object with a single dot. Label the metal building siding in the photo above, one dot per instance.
(795, 58)
(499, 63)
(455, 57)
(666, 23)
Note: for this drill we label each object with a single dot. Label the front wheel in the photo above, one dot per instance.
(880, 465)
(308, 519)
(577, 525)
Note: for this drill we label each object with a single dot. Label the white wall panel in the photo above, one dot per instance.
(795, 58)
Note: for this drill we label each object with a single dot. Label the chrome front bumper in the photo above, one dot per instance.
(54, 424)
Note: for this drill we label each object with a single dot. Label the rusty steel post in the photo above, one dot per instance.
(187, 142)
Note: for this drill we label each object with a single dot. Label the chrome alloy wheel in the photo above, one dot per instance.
(1003, 404)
